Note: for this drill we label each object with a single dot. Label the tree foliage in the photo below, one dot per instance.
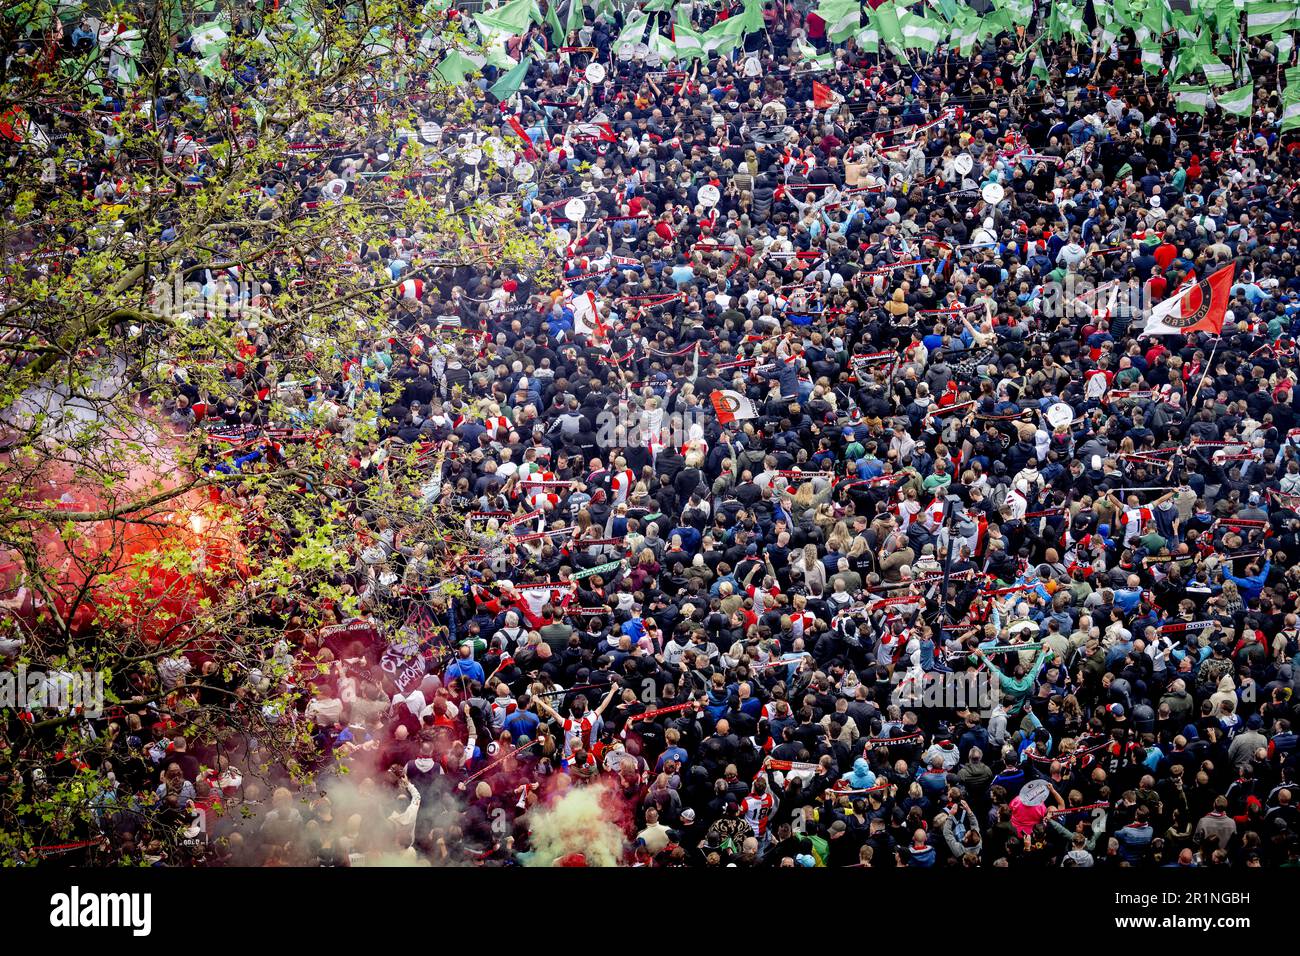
(197, 197)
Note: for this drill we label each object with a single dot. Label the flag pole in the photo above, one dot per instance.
(1208, 365)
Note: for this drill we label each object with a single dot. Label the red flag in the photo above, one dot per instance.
(593, 133)
(586, 315)
(823, 96)
(13, 124)
(522, 134)
(1198, 307)
(732, 406)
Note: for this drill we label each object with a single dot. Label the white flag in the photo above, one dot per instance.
(732, 406)
(586, 319)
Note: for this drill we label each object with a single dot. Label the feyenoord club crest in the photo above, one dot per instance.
(732, 406)
(1200, 307)
(1199, 298)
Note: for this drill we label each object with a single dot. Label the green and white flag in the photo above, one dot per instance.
(920, 33)
(868, 39)
(1113, 18)
(751, 17)
(1217, 73)
(1271, 19)
(1290, 109)
(689, 43)
(948, 9)
(123, 52)
(1038, 68)
(208, 40)
(509, 83)
(1153, 17)
(1200, 56)
(842, 18)
(885, 19)
(577, 18)
(660, 44)
(994, 23)
(965, 32)
(1121, 13)
(1055, 22)
(809, 57)
(1238, 102)
(553, 21)
(1224, 13)
(1153, 56)
(455, 67)
(1191, 99)
(633, 32)
(1188, 25)
(210, 66)
(498, 57)
(723, 37)
(516, 15)
(493, 32)
(1072, 18)
(1019, 11)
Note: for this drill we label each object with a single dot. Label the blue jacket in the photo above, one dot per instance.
(469, 669)
(1011, 780)
(690, 537)
(921, 857)
(1252, 586)
(1133, 842)
(521, 724)
(870, 467)
(928, 661)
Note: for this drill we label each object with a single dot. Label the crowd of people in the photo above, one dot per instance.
(817, 509)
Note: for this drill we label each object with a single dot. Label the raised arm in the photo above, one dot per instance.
(613, 690)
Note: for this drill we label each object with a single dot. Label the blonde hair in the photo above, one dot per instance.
(803, 497)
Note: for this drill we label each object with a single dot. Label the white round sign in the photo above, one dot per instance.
(963, 164)
(523, 172)
(709, 195)
(430, 132)
(560, 239)
(595, 73)
(1060, 414)
(993, 193)
(472, 156)
(335, 189)
(1034, 793)
(574, 210)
